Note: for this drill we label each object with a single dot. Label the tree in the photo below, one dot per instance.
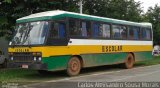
(153, 16)
(118, 9)
(14, 9)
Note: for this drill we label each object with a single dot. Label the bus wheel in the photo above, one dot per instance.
(129, 62)
(74, 66)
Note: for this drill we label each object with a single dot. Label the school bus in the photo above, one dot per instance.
(61, 40)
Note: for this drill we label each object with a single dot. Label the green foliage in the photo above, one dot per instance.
(10, 10)
(118, 9)
(129, 10)
(153, 16)
(7, 1)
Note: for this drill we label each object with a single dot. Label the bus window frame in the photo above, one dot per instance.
(150, 29)
(69, 35)
(78, 25)
(64, 39)
(90, 30)
(57, 21)
(120, 38)
(138, 33)
(111, 30)
(101, 37)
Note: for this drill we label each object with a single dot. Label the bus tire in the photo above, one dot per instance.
(74, 66)
(129, 61)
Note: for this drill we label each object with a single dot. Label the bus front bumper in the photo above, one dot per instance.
(34, 66)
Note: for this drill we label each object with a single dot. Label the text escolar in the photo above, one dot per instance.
(111, 48)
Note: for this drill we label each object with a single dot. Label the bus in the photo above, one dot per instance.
(60, 40)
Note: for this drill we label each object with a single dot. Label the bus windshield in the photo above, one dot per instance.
(32, 33)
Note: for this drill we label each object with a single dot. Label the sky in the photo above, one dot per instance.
(148, 3)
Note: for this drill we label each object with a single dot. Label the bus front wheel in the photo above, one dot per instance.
(129, 62)
(74, 66)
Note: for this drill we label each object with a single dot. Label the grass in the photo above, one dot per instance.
(14, 74)
(25, 75)
(154, 61)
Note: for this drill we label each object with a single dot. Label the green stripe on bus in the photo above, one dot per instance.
(56, 62)
(141, 56)
(60, 62)
(103, 59)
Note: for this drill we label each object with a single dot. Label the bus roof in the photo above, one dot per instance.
(57, 14)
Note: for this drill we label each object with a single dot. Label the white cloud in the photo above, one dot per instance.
(148, 3)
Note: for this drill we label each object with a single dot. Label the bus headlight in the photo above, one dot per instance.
(39, 58)
(11, 58)
(34, 58)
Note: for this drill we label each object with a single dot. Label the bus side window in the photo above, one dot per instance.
(98, 30)
(106, 30)
(116, 31)
(74, 30)
(62, 30)
(143, 33)
(58, 30)
(123, 32)
(146, 33)
(85, 27)
(95, 30)
(119, 32)
(131, 33)
(54, 30)
(134, 33)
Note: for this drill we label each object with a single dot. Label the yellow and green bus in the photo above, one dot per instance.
(61, 40)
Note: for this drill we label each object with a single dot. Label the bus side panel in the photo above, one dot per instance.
(113, 58)
(142, 56)
(56, 62)
(103, 59)
(60, 62)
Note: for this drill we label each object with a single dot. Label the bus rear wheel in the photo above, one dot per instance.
(129, 62)
(74, 66)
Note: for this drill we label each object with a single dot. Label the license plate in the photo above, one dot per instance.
(24, 66)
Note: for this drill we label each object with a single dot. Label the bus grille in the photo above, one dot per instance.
(23, 57)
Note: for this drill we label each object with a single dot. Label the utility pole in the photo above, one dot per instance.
(81, 6)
